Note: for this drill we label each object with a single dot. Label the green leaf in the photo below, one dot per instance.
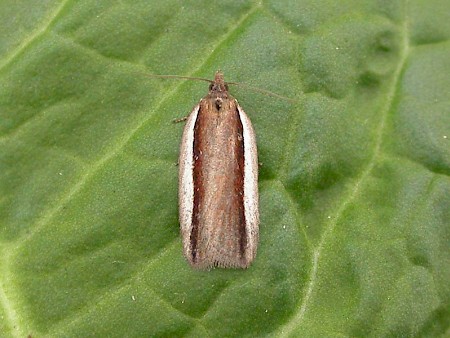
(354, 179)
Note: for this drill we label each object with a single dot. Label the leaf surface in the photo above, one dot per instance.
(354, 177)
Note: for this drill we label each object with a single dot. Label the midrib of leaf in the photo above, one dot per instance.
(35, 34)
(5, 284)
(297, 318)
(6, 304)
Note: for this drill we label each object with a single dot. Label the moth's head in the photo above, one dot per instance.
(218, 85)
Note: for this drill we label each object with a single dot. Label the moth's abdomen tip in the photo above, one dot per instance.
(212, 264)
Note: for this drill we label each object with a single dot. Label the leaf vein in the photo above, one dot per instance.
(299, 316)
(34, 35)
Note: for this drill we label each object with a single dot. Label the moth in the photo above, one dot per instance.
(218, 183)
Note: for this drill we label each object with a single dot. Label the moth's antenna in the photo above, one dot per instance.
(262, 91)
(178, 77)
(267, 92)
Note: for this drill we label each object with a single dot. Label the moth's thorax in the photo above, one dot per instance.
(218, 105)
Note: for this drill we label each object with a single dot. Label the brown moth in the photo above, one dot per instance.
(218, 183)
